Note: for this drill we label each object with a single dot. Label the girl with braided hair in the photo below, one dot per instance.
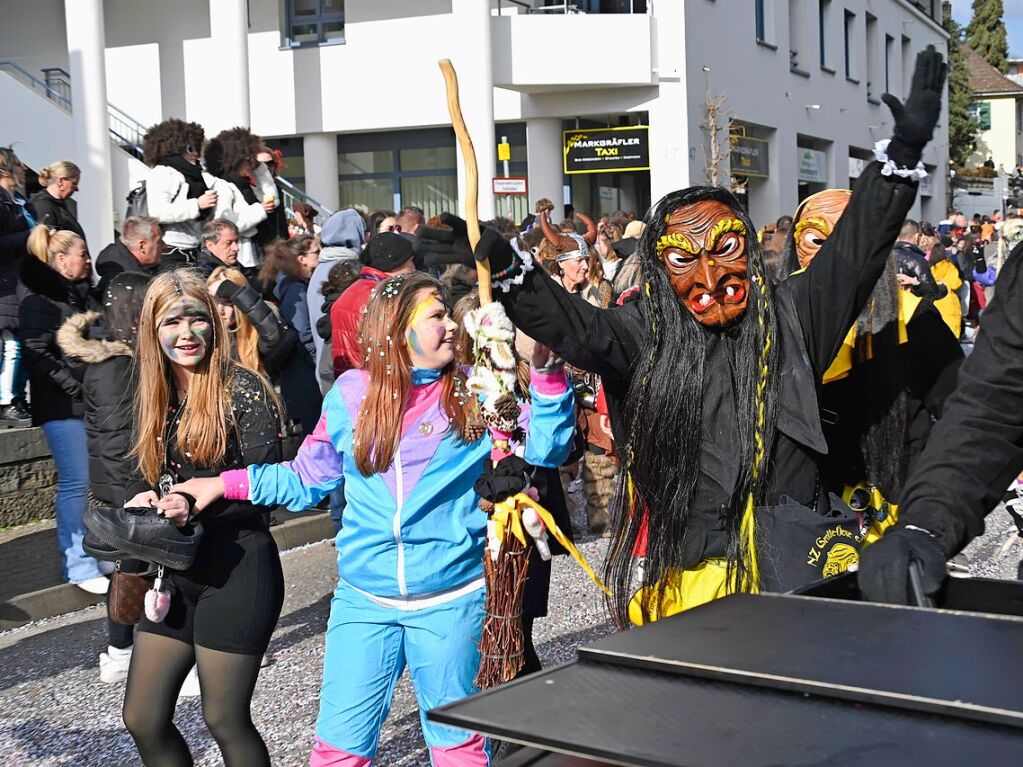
(712, 380)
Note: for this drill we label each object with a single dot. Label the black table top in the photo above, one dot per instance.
(631, 716)
(959, 664)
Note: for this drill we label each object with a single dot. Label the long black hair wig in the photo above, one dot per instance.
(664, 418)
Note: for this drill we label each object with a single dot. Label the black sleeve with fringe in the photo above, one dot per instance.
(976, 449)
(833, 290)
(601, 341)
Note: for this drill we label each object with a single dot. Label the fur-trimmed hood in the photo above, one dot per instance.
(73, 338)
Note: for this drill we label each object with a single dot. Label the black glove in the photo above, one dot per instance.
(495, 247)
(914, 121)
(504, 480)
(914, 265)
(884, 566)
(440, 246)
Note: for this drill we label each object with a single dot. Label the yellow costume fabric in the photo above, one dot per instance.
(949, 307)
(843, 361)
(684, 590)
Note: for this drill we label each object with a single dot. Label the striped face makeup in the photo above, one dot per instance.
(186, 332)
(431, 333)
(704, 252)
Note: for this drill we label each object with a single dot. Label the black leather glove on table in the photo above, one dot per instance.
(915, 120)
(884, 566)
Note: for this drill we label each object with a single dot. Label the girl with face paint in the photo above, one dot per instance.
(404, 438)
(196, 413)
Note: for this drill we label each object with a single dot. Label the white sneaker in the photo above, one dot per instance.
(97, 585)
(190, 687)
(113, 665)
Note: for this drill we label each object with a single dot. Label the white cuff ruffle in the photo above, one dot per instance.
(891, 169)
(526, 265)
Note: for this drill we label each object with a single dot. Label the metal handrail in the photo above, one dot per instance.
(124, 129)
(292, 194)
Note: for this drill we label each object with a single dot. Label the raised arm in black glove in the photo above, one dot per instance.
(915, 120)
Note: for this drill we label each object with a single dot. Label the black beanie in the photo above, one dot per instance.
(386, 252)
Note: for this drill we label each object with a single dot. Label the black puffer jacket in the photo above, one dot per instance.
(14, 230)
(56, 214)
(116, 259)
(47, 300)
(108, 387)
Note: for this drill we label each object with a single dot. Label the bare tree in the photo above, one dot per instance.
(717, 125)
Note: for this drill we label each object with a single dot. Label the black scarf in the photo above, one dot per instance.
(192, 173)
(243, 186)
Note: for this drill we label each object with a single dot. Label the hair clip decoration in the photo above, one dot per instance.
(392, 287)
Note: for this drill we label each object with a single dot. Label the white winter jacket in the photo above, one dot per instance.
(168, 202)
(246, 216)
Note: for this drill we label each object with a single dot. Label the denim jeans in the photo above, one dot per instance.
(12, 372)
(71, 455)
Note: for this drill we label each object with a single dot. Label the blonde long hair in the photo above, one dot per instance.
(382, 337)
(207, 414)
(246, 337)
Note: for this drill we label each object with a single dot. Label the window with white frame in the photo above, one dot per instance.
(314, 22)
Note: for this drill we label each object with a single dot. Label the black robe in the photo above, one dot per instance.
(814, 315)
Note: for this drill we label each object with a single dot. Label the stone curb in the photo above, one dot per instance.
(65, 597)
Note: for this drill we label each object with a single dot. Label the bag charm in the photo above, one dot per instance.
(158, 599)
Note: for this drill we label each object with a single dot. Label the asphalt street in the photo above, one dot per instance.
(55, 711)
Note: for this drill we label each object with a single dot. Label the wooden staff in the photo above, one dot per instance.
(472, 179)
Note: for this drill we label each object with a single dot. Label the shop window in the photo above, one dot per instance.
(434, 194)
(314, 22)
(431, 158)
(358, 163)
(374, 193)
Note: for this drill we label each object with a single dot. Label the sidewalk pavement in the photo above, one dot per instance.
(31, 587)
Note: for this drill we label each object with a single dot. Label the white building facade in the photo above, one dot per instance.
(350, 91)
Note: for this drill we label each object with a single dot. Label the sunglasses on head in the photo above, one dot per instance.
(394, 228)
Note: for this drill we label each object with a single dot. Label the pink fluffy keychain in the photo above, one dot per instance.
(157, 599)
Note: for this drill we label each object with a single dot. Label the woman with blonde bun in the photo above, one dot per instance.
(53, 204)
(53, 284)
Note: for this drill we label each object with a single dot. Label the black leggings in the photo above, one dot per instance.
(159, 665)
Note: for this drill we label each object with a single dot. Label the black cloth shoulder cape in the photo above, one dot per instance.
(976, 449)
(814, 315)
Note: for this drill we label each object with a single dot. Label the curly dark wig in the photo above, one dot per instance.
(170, 139)
(664, 418)
(229, 149)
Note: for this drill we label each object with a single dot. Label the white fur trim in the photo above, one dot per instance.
(891, 169)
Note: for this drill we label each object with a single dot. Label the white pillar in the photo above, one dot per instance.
(321, 171)
(669, 141)
(471, 59)
(86, 45)
(229, 28)
(544, 164)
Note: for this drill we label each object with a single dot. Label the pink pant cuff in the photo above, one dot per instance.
(549, 384)
(236, 484)
(325, 755)
(472, 753)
